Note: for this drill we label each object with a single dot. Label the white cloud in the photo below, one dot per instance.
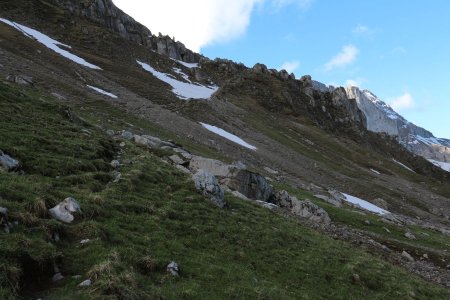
(356, 82)
(304, 4)
(198, 23)
(347, 56)
(402, 102)
(360, 29)
(291, 66)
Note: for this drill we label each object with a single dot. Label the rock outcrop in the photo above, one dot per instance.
(8, 163)
(107, 14)
(208, 185)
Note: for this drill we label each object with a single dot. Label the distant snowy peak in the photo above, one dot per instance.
(382, 118)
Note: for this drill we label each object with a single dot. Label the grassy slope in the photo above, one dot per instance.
(151, 217)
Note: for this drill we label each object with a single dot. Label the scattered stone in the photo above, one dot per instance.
(267, 205)
(84, 242)
(367, 222)
(57, 277)
(122, 144)
(309, 210)
(425, 256)
(86, 283)
(331, 200)
(240, 196)
(76, 276)
(186, 155)
(127, 135)
(183, 169)
(381, 203)
(173, 268)
(7, 162)
(115, 164)
(387, 230)
(117, 176)
(283, 199)
(208, 185)
(407, 256)
(59, 96)
(175, 159)
(21, 79)
(410, 236)
(63, 211)
(110, 132)
(56, 237)
(356, 279)
(3, 210)
(271, 171)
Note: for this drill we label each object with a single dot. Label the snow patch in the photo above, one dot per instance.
(375, 171)
(183, 90)
(187, 65)
(99, 90)
(365, 204)
(404, 166)
(443, 165)
(390, 113)
(228, 136)
(50, 43)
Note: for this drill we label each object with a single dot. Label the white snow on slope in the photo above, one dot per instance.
(365, 204)
(391, 114)
(49, 43)
(187, 65)
(184, 90)
(228, 136)
(404, 166)
(443, 165)
(99, 90)
(375, 171)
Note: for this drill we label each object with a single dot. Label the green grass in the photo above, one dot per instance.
(151, 217)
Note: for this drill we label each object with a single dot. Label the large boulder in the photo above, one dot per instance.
(208, 185)
(64, 211)
(283, 199)
(250, 184)
(8, 163)
(213, 166)
(309, 210)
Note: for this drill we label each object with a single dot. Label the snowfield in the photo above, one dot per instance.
(228, 136)
(183, 90)
(365, 204)
(50, 43)
(443, 165)
(99, 90)
(187, 65)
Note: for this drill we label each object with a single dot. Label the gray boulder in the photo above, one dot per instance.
(86, 283)
(8, 163)
(250, 184)
(309, 210)
(64, 210)
(127, 135)
(20, 79)
(283, 199)
(173, 268)
(213, 166)
(208, 185)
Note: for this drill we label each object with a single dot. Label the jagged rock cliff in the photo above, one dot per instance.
(109, 15)
(382, 118)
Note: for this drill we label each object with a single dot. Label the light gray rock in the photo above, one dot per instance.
(115, 164)
(3, 210)
(86, 283)
(175, 159)
(309, 210)
(110, 132)
(410, 236)
(173, 268)
(267, 205)
(117, 176)
(127, 135)
(213, 166)
(64, 210)
(407, 256)
(21, 79)
(252, 185)
(239, 195)
(283, 199)
(183, 169)
(270, 171)
(380, 203)
(185, 154)
(57, 277)
(208, 185)
(8, 163)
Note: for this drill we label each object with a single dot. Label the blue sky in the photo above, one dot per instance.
(400, 50)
